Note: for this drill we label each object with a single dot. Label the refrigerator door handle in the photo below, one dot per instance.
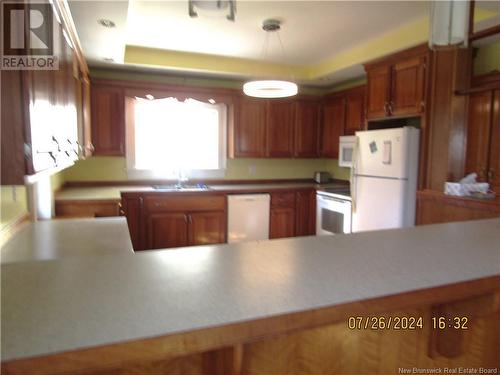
(353, 173)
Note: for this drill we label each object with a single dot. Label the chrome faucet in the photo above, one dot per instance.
(182, 177)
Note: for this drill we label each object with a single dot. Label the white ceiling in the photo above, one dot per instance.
(312, 31)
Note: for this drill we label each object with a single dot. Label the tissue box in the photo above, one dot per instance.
(463, 190)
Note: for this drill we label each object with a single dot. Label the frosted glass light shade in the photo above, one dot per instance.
(449, 23)
(270, 89)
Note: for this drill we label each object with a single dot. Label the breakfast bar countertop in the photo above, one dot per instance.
(56, 239)
(75, 304)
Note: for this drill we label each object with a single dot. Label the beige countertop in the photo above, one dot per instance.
(113, 192)
(56, 239)
(73, 303)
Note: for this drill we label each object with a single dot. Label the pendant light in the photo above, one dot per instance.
(271, 88)
(449, 23)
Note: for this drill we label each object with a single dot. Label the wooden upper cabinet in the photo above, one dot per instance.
(494, 167)
(378, 91)
(108, 120)
(167, 230)
(332, 126)
(407, 87)
(249, 128)
(355, 110)
(280, 128)
(14, 121)
(396, 84)
(307, 115)
(483, 137)
(207, 228)
(478, 134)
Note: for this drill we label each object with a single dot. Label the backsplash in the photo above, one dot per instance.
(108, 168)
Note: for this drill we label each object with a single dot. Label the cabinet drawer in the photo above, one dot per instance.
(185, 203)
(283, 199)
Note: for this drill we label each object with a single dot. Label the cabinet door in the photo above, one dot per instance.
(407, 87)
(132, 207)
(282, 223)
(332, 127)
(108, 121)
(249, 128)
(13, 120)
(306, 129)
(167, 230)
(355, 110)
(207, 228)
(377, 91)
(478, 134)
(305, 213)
(494, 171)
(280, 128)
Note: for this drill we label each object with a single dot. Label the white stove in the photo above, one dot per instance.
(333, 211)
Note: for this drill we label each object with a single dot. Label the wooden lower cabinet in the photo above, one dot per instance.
(159, 221)
(305, 212)
(167, 230)
(207, 228)
(282, 223)
(179, 229)
(293, 213)
(434, 207)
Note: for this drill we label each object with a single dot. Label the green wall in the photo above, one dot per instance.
(487, 59)
(109, 168)
(13, 205)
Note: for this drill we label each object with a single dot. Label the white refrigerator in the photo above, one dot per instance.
(384, 179)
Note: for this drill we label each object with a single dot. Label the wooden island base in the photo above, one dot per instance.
(312, 342)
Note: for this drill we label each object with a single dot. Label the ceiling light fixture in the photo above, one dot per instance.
(106, 23)
(271, 88)
(449, 23)
(212, 5)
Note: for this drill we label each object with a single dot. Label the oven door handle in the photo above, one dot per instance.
(332, 199)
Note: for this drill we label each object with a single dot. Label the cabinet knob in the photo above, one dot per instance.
(422, 106)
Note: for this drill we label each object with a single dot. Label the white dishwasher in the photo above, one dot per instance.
(248, 217)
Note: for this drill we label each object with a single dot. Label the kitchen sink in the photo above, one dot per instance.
(173, 187)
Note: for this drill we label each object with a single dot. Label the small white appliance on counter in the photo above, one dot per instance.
(248, 217)
(346, 150)
(384, 179)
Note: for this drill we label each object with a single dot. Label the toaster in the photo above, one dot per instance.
(322, 177)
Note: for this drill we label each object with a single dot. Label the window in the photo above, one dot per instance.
(167, 138)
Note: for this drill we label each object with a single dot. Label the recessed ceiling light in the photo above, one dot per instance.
(109, 59)
(106, 23)
(150, 97)
(211, 101)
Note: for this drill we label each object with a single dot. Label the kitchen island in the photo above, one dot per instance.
(280, 306)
